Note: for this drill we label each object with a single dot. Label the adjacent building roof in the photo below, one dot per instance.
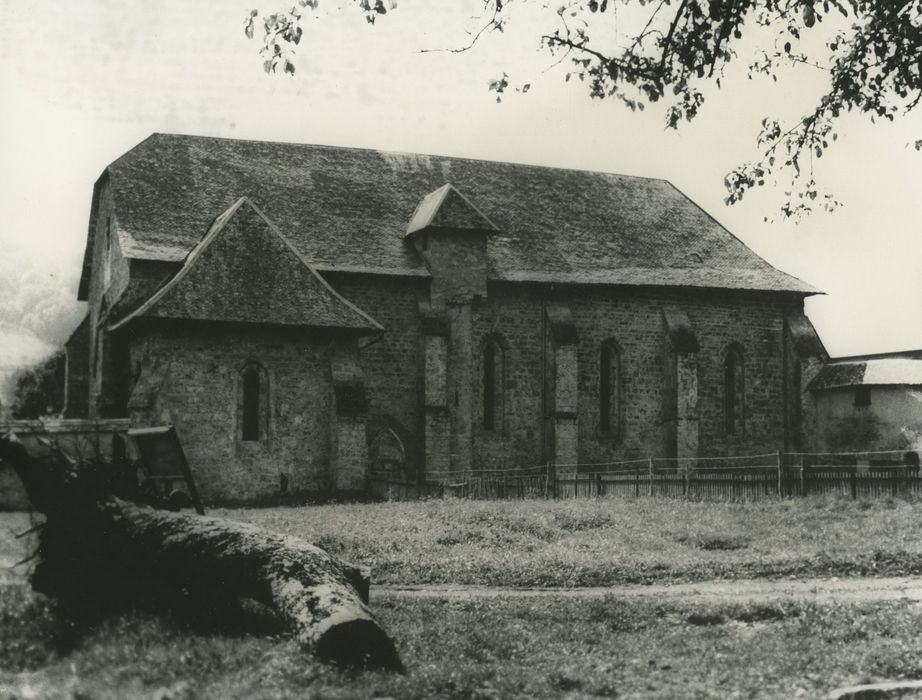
(245, 270)
(349, 209)
(902, 368)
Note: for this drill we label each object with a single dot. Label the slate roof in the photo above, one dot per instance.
(246, 270)
(902, 369)
(349, 209)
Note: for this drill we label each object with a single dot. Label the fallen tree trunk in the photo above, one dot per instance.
(321, 599)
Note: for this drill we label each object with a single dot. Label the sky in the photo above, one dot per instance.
(81, 83)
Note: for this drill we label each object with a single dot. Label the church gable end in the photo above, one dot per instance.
(244, 270)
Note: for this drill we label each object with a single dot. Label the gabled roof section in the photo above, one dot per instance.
(346, 209)
(245, 270)
(448, 208)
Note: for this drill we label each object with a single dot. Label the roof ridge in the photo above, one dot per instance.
(412, 154)
(134, 148)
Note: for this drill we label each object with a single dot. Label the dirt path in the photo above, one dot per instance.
(745, 591)
(741, 591)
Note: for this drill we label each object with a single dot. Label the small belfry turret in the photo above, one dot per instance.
(450, 234)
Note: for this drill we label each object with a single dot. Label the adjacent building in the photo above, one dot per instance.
(869, 402)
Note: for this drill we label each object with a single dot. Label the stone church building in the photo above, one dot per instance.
(308, 315)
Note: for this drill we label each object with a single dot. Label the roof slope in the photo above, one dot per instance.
(348, 209)
(245, 270)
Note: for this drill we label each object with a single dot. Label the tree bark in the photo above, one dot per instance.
(321, 599)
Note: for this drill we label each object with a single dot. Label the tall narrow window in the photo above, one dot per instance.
(734, 392)
(492, 387)
(610, 390)
(252, 402)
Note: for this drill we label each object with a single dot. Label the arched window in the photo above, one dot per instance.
(610, 390)
(254, 402)
(734, 391)
(493, 386)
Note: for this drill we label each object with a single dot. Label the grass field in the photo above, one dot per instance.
(596, 541)
(606, 541)
(482, 649)
(544, 647)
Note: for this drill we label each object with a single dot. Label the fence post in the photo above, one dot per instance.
(779, 471)
(650, 474)
(598, 484)
(803, 487)
(853, 481)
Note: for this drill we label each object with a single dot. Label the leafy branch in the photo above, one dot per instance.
(873, 62)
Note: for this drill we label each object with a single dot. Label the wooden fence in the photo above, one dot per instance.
(751, 477)
(723, 478)
(858, 474)
(483, 484)
(488, 484)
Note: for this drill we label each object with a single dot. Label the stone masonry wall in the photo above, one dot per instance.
(198, 365)
(517, 319)
(515, 314)
(632, 318)
(458, 262)
(190, 374)
(756, 325)
(392, 365)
